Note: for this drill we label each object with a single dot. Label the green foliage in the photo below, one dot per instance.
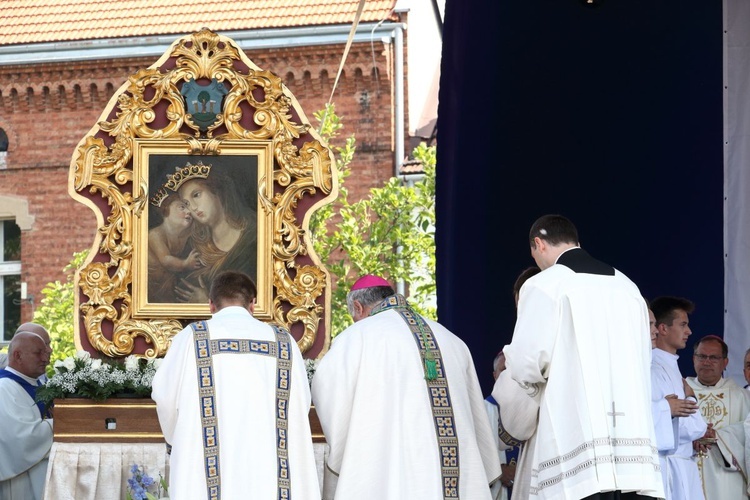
(389, 233)
(55, 312)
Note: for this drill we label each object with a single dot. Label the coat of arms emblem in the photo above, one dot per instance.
(203, 102)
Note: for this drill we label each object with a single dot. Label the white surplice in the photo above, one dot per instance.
(581, 350)
(680, 473)
(499, 492)
(246, 409)
(370, 394)
(725, 405)
(518, 414)
(667, 428)
(25, 441)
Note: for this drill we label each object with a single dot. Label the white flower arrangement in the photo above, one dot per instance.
(99, 379)
(311, 365)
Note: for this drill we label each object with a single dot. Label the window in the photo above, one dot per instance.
(3, 148)
(10, 278)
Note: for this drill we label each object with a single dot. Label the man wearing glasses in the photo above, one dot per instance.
(679, 471)
(724, 406)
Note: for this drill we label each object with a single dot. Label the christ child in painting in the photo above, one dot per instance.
(169, 255)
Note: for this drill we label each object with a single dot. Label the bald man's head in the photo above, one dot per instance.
(35, 328)
(29, 350)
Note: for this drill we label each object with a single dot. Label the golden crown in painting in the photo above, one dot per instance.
(187, 173)
(158, 198)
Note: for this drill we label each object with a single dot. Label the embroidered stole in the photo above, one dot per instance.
(205, 348)
(511, 454)
(30, 390)
(437, 388)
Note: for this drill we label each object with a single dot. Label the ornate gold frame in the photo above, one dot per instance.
(148, 113)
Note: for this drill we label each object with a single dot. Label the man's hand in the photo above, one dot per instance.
(703, 444)
(508, 474)
(681, 407)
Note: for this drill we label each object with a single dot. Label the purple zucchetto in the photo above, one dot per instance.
(369, 281)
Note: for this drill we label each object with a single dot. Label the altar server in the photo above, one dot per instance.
(233, 399)
(681, 476)
(25, 430)
(401, 407)
(580, 358)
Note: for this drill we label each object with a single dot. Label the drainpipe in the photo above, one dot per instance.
(398, 133)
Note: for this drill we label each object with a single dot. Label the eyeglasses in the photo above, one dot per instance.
(712, 358)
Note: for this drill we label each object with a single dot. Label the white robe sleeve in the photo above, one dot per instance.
(519, 412)
(529, 353)
(25, 438)
(746, 427)
(333, 392)
(692, 427)
(167, 383)
(731, 445)
(665, 427)
(486, 433)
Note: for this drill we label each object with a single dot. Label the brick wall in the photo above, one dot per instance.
(47, 109)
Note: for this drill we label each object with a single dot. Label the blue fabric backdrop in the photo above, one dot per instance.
(611, 116)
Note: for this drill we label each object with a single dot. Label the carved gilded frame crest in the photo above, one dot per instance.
(257, 122)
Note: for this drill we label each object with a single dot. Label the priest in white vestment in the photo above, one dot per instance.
(25, 429)
(581, 353)
(245, 432)
(680, 473)
(401, 407)
(724, 406)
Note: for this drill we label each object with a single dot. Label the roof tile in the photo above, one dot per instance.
(66, 20)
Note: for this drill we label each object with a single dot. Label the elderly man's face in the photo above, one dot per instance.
(709, 362)
(31, 356)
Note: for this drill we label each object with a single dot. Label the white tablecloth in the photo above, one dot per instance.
(99, 471)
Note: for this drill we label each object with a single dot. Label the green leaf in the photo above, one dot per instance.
(389, 232)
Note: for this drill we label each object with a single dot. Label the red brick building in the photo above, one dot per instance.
(62, 60)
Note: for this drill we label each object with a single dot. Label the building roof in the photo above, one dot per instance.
(43, 21)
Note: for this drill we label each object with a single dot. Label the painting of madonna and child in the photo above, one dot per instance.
(202, 220)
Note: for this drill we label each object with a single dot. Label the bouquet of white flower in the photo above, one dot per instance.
(98, 379)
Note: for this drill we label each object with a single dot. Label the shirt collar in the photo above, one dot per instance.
(566, 250)
(664, 354)
(232, 310)
(30, 380)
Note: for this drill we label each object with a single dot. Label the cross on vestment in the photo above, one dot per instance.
(614, 414)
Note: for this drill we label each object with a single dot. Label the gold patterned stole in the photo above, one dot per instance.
(205, 348)
(437, 388)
